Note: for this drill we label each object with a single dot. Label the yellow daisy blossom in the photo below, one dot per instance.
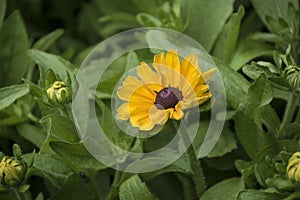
(164, 91)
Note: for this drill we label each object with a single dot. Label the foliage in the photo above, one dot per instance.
(255, 45)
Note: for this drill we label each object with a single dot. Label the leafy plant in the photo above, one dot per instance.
(256, 47)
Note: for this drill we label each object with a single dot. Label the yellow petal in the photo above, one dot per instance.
(172, 60)
(189, 64)
(146, 125)
(140, 118)
(158, 117)
(203, 98)
(132, 80)
(172, 68)
(177, 113)
(123, 111)
(154, 87)
(161, 70)
(200, 89)
(135, 105)
(147, 74)
(144, 93)
(159, 59)
(126, 91)
(208, 74)
(129, 85)
(172, 76)
(138, 115)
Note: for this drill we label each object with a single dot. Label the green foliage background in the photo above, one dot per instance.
(256, 46)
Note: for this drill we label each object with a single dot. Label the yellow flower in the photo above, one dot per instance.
(58, 92)
(293, 168)
(163, 91)
(11, 171)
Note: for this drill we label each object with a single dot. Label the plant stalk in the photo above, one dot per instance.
(288, 113)
(114, 189)
(198, 177)
(18, 197)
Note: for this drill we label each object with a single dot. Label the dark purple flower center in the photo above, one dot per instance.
(168, 98)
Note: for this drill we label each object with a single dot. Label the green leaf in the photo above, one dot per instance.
(274, 9)
(247, 50)
(111, 129)
(2, 11)
(40, 196)
(17, 151)
(59, 128)
(256, 194)
(84, 185)
(76, 155)
(33, 134)
(254, 70)
(225, 190)
(270, 120)
(23, 188)
(181, 165)
(259, 95)
(10, 94)
(206, 19)
(132, 61)
(280, 183)
(273, 149)
(250, 136)
(50, 168)
(225, 45)
(226, 143)
(49, 61)
(133, 188)
(148, 20)
(45, 42)
(262, 172)
(187, 185)
(251, 23)
(14, 44)
(111, 75)
(247, 171)
(236, 85)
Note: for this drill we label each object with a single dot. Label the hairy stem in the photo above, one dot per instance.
(198, 176)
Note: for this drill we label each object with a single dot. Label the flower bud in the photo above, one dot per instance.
(292, 75)
(293, 168)
(11, 171)
(58, 92)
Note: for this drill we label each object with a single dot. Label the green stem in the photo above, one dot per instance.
(18, 196)
(32, 117)
(198, 176)
(288, 113)
(114, 189)
(30, 71)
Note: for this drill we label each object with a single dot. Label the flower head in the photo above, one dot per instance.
(293, 168)
(58, 92)
(164, 91)
(11, 171)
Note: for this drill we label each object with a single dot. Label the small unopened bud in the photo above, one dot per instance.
(58, 92)
(293, 168)
(292, 75)
(11, 171)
